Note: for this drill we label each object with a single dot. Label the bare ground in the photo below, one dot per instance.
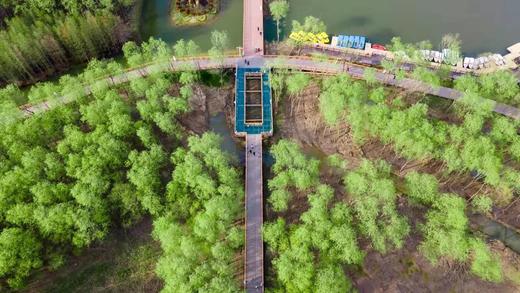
(404, 270)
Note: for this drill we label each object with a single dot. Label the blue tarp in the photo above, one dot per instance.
(240, 116)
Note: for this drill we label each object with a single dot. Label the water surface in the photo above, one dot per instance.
(156, 22)
(483, 25)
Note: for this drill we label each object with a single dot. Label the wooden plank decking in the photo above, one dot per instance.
(253, 27)
(254, 267)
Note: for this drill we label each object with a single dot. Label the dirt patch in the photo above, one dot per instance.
(205, 102)
(300, 120)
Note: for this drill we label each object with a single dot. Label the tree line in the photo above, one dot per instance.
(40, 8)
(45, 37)
(31, 50)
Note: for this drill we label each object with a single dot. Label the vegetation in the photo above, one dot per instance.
(193, 12)
(309, 256)
(292, 170)
(279, 10)
(310, 24)
(44, 37)
(107, 159)
(374, 196)
(463, 147)
(71, 173)
(198, 235)
(446, 232)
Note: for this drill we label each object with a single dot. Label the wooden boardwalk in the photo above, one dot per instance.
(254, 262)
(253, 28)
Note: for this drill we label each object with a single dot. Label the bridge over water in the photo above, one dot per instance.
(254, 120)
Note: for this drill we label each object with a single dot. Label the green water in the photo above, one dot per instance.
(156, 22)
(483, 25)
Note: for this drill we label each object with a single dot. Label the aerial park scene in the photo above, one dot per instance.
(259, 146)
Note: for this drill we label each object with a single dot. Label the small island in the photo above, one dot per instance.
(193, 12)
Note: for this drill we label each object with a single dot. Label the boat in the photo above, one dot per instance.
(350, 42)
(466, 62)
(379, 47)
(362, 42)
(334, 42)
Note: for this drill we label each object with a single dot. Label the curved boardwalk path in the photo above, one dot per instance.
(296, 63)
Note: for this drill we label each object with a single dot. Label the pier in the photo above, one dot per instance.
(253, 120)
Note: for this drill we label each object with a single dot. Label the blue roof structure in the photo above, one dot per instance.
(241, 128)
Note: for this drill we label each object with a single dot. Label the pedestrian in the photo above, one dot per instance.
(260, 33)
(258, 28)
(254, 154)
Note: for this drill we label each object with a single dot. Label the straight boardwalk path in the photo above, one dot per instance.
(254, 267)
(253, 38)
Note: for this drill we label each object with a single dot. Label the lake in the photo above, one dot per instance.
(483, 25)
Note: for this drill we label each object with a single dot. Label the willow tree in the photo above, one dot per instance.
(279, 10)
(198, 234)
(220, 44)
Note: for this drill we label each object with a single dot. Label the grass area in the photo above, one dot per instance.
(125, 262)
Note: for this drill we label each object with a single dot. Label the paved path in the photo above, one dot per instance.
(254, 267)
(253, 28)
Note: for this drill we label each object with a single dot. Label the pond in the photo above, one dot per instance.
(218, 124)
(483, 25)
(156, 22)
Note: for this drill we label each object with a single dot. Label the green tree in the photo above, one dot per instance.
(374, 196)
(310, 24)
(279, 10)
(220, 43)
(19, 254)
